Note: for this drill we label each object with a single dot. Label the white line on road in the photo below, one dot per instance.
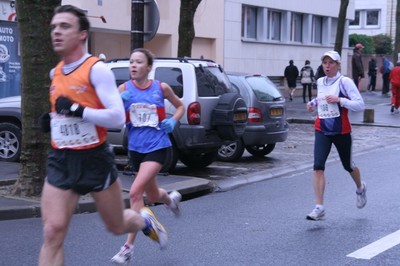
(377, 247)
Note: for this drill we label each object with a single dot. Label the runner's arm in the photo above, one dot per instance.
(354, 102)
(113, 116)
(174, 100)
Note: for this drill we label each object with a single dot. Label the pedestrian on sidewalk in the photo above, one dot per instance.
(385, 69)
(148, 138)
(336, 95)
(306, 79)
(357, 65)
(318, 74)
(291, 73)
(372, 71)
(394, 77)
(83, 98)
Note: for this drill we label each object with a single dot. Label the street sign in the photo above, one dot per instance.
(151, 20)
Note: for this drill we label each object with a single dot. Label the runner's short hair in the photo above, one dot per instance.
(84, 23)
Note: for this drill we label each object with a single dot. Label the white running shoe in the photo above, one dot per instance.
(176, 198)
(157, 230)
(316, 214)
(124, 255)
(362, 197)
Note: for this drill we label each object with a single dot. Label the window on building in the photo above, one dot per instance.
(356, 21)
(372, 18)
(366, 19)
(99, 2)
(296, 26)
(265, 24)
(274, 25)
(316, 32)
(249, 22)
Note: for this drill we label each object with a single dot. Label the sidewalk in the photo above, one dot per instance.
(18, 208)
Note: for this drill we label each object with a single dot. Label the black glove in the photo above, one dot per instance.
(66, 107)
(44, 121)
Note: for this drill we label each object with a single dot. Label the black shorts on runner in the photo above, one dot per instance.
(136, 158)
(82, 171)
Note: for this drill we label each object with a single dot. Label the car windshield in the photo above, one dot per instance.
(263, 88)
(211, 81)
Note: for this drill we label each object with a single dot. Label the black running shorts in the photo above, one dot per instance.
(136, 158)
(82, 171)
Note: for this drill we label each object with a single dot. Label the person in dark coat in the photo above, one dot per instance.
(372, 71)
(291, 74)
(357, 64)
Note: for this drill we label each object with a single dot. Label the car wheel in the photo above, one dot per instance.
(10, 142)
(198, 161)
(260, 150)
(231, 152)
(170, 160)
(230, 116)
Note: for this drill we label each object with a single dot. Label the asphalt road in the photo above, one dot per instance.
(259, 224)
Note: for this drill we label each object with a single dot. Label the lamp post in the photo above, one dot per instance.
(137, 24)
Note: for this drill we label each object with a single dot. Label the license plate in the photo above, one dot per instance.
(240, 117)
(276, 111)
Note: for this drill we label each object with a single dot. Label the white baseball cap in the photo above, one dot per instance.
(333, 55)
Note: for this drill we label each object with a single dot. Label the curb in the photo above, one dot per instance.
(31, 208)
(233, 183)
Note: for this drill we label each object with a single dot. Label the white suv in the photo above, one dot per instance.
(215, 114)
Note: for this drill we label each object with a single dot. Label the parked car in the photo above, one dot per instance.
(10, 129)
(215, 113)
(266, 117)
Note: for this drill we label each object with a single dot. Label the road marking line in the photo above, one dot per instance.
(377, 247)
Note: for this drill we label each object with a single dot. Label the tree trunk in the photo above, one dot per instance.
(341, 25)
(186, 27)
(37, 58)
(397, 39)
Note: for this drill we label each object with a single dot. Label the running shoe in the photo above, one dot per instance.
(124, 255)
(157, 230)
(176, 198)
(362, 197)
(316, 214)
(392, 109)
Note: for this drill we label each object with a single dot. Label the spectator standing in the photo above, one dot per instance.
(385, 71)
(336, 95)
(291, 74)
(319, 74)
(307, 79)
(357, 64)
(394, 77)
(372, 71)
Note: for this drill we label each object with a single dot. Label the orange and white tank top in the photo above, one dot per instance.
(73, 132)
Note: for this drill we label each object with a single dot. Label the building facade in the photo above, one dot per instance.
(258, 36)
(114, 40)
(261, 36)
(373, 17)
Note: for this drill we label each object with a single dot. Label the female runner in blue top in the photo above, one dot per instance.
(148, 139)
